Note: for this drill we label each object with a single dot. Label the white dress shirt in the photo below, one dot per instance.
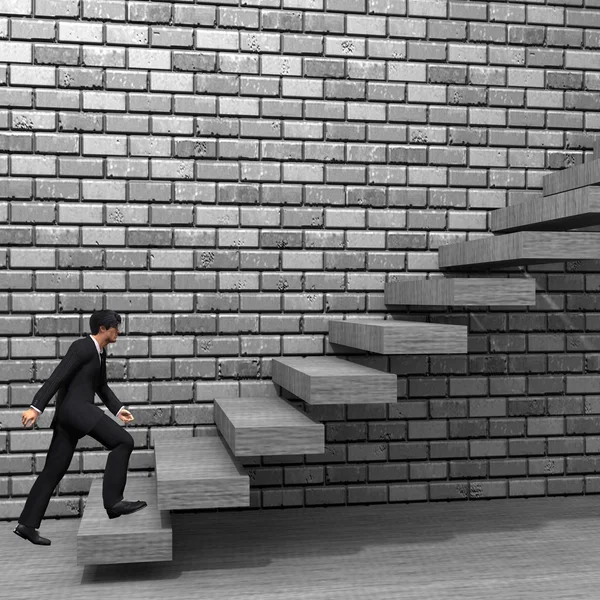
(100, 357)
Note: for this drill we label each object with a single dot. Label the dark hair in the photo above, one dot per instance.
(106, 317)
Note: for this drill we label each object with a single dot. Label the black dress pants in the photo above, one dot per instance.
(110, 435)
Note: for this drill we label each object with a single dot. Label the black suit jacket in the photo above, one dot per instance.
(77, 378)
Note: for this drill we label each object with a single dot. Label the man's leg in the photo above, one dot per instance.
(120, 443)
(58, 459)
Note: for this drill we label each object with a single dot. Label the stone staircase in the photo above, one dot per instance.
(203, 472)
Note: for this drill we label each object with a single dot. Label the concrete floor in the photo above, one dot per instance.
(497, 549)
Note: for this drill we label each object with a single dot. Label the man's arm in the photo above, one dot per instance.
(67, 367)
(106, 394)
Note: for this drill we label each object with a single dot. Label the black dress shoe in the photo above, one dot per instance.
(124, 507)
(29, 533)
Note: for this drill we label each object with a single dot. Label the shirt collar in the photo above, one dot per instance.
(97, 344)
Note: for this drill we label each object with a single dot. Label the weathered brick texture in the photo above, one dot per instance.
(229, 175)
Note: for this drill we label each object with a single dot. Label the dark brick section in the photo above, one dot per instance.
(231, 175)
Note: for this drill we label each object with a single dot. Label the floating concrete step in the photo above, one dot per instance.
(475, 291)
(399, 337)
(142, 536)
(267, 426)
(520, 248)
(332, 380)
(199, 472)
(567, 210)
(587, 173)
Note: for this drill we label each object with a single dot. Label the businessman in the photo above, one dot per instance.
(79, 376)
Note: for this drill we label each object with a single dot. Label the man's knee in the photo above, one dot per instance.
(128, 441)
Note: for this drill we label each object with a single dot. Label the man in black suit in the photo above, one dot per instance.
(80, 375)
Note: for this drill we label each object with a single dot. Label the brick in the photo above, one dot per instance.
(305, 88)
(427, 8)
(526, 35)
(57, 99)
(171, 82)
(16, 7)
(507, 56)
(575, 59)
(80, 78)
(304, 4)
(281, 20)
(387, 7)
(233, 63)
(487, 32)
(447, 30)
(217, 40)
(172, 37)
(146, 58)
(57, 144)
(304, 43)
(507, 13)
(430, 51)
(106, 10)
(80, 32)
(55, 55)
(447, 74)
(487, 76)
(16, 52)
(103, 101)
(238, 17)
(392, 49)
(542, 58)
(16, 142)
(281, 65)
(564, 37)
(346, 5)
(118, 80)
(583, 18)
(53, 8)
(28, 29)
(206, 105)
(468, 53)
(368, 26)
(345, 46)
(546, 15)
(263, 42)
(23, 75)
(363, 69)
(324, 68)
(404, 28)
(79, 122)
(322, 23)
(33, 165)
(299, 130)
(205, 16)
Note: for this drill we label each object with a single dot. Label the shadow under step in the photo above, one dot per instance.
(142, 536)
(473, 291)
(399, 337)
(199, 472)
(264, 426)
(572, 178)
(332, 380)
(520, 248)
(567, 210)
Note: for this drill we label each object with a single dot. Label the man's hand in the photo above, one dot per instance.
(124, 415)
(30, 415)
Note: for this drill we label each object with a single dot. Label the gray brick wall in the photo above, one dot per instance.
(230, 174)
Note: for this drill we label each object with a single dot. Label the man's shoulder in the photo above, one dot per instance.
(81, 345)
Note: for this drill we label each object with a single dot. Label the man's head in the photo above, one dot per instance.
(105, 324)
